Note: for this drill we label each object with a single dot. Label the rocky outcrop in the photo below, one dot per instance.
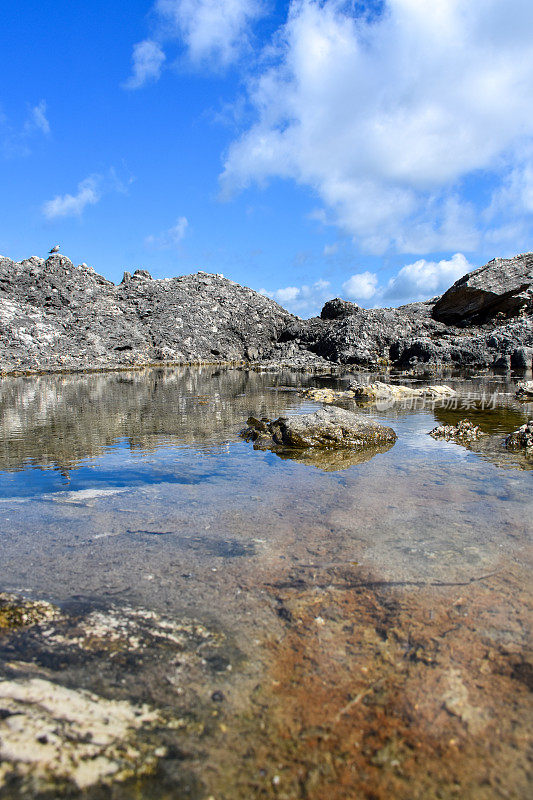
(379, 391)
(503, 286)
(327, 428)
(56, 316)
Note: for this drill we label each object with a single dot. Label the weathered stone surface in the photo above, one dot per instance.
(56, 316)
(464, 431)
(377, 390)
(504, 285)
(325, 428)
(337, 309)
(50, 731)
(522, 438)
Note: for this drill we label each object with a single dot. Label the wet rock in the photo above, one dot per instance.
(379, 391)
(389, 391)
(17, 612)
(53, 732)
(522, 358)
(522, 438)
(504, 285)
(463, 431)
(327, 428)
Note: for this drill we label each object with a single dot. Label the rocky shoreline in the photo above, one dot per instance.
(58, 317)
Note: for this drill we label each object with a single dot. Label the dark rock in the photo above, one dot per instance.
(522, 358)
(502, 362)
(503, 286)
(337, 309)
(522, 438)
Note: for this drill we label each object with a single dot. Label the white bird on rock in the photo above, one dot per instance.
(55, 249)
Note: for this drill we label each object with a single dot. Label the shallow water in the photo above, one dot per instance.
(135, 491)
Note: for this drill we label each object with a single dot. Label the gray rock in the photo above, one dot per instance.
(328, 428)
(337, 309)
(504, 285)
(55, 316)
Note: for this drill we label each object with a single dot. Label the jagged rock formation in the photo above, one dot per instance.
(56, 316)
(503, 286)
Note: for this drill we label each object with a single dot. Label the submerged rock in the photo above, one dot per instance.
(17, 612)
(326, 428)
(522, 438)
(464, 431)
(48, 731)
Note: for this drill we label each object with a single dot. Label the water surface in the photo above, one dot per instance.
(134, 490)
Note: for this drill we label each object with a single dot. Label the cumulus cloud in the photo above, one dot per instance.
(147, 58)
(211, 32)
(423, 279)
(71, 205)
(170, 238)
(420, 280)
(361, 286)
(303, 300)
(386, 115)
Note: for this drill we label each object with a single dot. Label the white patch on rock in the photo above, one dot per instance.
(52, 731)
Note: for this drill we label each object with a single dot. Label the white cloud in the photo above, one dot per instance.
(90, 191)
(330, 249)
(215, 33)
(16, 141)
(425, 279)
(361, 286)
(38, 119)
(148, 58)
(170, 238)
(68, 205)
(384, 116)
(304, 300)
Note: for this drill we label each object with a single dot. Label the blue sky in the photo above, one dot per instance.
(372, 150)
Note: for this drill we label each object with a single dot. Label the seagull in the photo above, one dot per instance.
(55, 249)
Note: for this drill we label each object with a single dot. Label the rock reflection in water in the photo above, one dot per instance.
(332, 460)
(300, 632)
(58, 421)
